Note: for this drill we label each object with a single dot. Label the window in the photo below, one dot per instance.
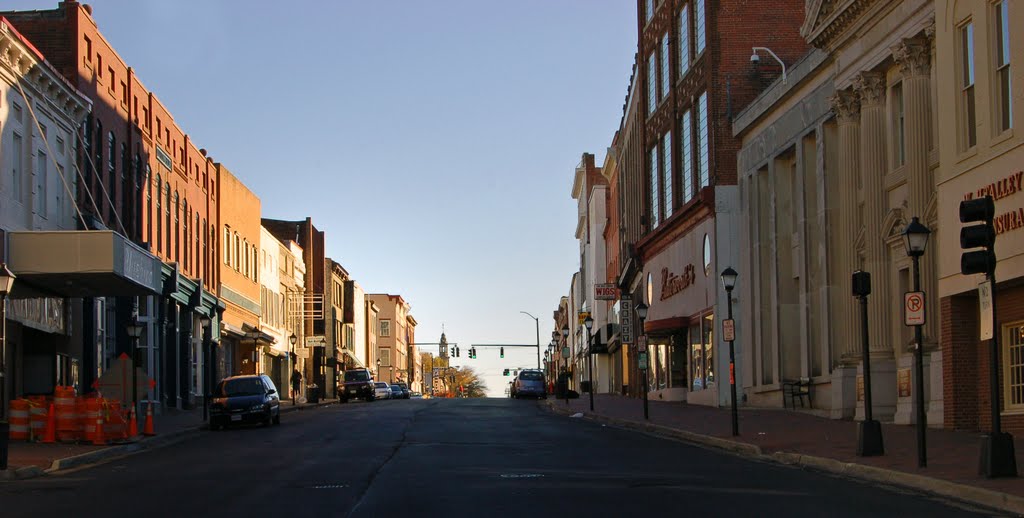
(88, 50)
(159, 217)
(167, 217)
(898, 127)
(968, 122)
(698, 26)
(652, 84)
(1013, 366)
(238, 252)
(111, 166)
(385, 328)
(666, 173)
(702, 140)
(255, 270)
(41, 183)
(385, 355)
(186, 254)
(648, 10)
(17, 150)
(1004, 94)
(686, 155)
(653, 177)
(227, 245)
(177, 228)
(665, 53)
(17, 112)
(149, 205)
(245, 257)
(684, 40)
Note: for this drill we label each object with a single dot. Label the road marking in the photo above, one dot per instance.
(331, 486)
(521, 475)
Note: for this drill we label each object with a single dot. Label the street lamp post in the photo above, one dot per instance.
(204, 322)
(134, 330)
(641, 313)
(869, 438)
(293, 359)
(729, 282)
(589, 324)
(6, 282)
(565, 361)
(915, 239)
(536, 322)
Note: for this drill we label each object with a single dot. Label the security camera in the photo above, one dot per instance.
(754, 58)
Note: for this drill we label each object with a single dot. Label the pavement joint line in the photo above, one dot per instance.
(963, 492)
(116, 451)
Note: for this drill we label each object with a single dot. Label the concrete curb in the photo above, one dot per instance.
(121, 450)
(963, 492)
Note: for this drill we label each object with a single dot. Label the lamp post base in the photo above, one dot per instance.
(997, 456)
(869, 439)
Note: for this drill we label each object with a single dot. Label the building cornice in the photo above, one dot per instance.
(29, 65)
(826, 20)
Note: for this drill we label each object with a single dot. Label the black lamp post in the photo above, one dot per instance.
(204, 321)
(292, 340)
(729, 282)
(589, 324)
(134, 331)
(565, 361)
(641, 313)
(869, 436)
(6, 282)
(915, 239)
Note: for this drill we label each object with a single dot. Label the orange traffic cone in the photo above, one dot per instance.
(133, 425)
(98, 439)
(50, 436)
(148, 429)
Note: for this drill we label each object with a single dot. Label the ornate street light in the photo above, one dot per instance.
(729, 282)
(915, 240)
(641, 313)
(589, 324)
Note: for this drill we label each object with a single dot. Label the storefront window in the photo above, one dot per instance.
(1013, 362)
(702, 370)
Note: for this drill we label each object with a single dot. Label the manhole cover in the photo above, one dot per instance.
(331, 486)
(521, 475)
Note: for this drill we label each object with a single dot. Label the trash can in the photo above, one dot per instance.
(313, 393)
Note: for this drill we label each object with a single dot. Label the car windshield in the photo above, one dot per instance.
(396, 387)
(242, 387)
(381, 385)
(531, 376)
(357, 376)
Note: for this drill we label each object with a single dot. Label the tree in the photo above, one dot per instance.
(468, 378)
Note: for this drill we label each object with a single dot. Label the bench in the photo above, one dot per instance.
(796, 389)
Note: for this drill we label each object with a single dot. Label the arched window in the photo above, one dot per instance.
(167, 217)
(159, 217)
(227, 245)
(196, 231)
(177, 228)
(255, 262)
(245, 257)
(238, 251)
(185, 252)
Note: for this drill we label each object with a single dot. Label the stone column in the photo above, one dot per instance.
(914, 59)
(844, 321)
(846, 105)
(873, 166)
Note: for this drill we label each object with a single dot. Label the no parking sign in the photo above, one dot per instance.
(913, 308)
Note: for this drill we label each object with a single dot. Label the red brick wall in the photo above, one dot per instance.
(965, 364)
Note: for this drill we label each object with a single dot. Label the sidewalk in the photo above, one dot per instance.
(952, 456)
(27, 460)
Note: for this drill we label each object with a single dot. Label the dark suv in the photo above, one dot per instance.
(358, 385)
(243, 400)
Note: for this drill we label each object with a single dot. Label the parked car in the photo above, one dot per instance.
(381, 390)
(358, 385)
(396, 392)
(415, 395)
(405, 390)
(530, 383)
(245, 400)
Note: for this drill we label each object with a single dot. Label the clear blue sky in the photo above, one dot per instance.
(433, 141)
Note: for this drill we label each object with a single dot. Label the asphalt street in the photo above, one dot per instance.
(449, 458)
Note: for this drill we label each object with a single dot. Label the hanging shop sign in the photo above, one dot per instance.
(626, 321)
(606, 291)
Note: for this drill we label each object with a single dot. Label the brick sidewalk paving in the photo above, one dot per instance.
(952, 456)
(22, 454)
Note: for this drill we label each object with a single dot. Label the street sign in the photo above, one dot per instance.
(641, 343)
(313, 341)
(301, 352)
(641, 361)
(985, 307)
(583, 316)
(913, 308)
(626, 321)
(729, 329)
(606, 291)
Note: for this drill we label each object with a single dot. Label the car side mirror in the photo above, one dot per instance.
(271, 392)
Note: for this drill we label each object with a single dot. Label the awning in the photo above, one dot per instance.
(355, 360)
(87, 263)
(243, 334)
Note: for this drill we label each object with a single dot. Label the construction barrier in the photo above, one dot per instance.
(93, 408)
(68, 425)
(114, 426)
(37, 408)
(18, 420)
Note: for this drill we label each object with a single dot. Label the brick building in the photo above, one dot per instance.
(142, 177)
(695, 72)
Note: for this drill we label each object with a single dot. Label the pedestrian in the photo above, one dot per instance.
(296, 383)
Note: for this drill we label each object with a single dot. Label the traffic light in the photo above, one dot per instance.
(455, 351)
(502, 352)
(506, 372)
(981, 235)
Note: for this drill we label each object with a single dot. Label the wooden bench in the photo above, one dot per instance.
(796, 389)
